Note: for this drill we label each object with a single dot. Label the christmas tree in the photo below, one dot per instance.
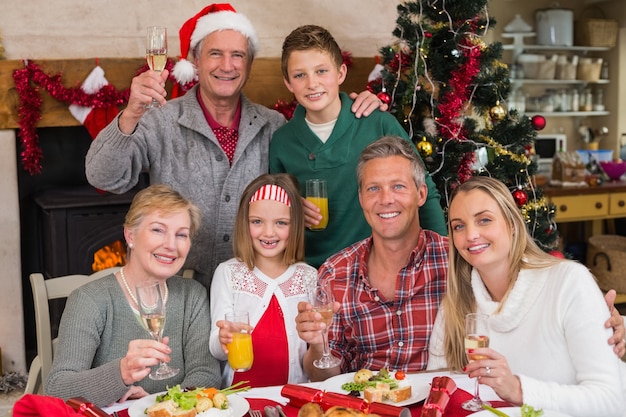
(449, 89)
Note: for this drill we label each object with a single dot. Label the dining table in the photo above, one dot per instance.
(260, 397)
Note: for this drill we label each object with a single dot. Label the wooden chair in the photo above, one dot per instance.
(43, 291)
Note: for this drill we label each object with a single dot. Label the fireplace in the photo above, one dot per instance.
(64, 221)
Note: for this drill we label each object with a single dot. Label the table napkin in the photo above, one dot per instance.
(34, 405)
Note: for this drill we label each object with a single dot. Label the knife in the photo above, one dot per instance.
(281, 411)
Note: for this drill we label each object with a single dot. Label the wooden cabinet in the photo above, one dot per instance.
(589, 204)
(581, 208)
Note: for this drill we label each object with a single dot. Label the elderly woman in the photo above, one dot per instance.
(105, 352)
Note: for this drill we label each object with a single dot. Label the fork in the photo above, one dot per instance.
(255, 413)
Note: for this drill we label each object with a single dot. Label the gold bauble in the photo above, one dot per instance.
(497, 112)
(425, 148)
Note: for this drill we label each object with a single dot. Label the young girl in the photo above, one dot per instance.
(267, 278)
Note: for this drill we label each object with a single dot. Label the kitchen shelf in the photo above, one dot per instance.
(518, 46)
(556, 82)
(567, 113)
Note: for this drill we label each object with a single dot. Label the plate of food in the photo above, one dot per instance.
(200, 402)
(524, 411)
(395, 388)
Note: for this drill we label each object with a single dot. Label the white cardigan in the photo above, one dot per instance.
(552, 332)
(234, 286)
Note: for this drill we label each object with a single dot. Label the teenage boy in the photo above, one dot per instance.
(324, 140)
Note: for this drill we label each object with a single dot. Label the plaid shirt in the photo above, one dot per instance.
(371, 333)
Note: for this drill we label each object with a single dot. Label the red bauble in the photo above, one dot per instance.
(384, 97)
(557, 254)
(539, 122)
(520, 197)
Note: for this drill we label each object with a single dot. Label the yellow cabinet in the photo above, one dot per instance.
(582, 207)
(617, 206)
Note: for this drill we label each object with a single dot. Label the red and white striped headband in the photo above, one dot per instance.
(271, 192)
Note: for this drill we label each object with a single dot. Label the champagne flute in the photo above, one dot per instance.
(152, 310)
(476, 336)
(321, 298)
(156, 53)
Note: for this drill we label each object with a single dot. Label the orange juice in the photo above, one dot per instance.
(240, 355)
(322, 203)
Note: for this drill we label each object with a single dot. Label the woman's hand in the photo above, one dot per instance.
(133, 393)
(141, 355)
(494, 371)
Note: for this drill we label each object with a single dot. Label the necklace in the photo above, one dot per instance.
(132, 296)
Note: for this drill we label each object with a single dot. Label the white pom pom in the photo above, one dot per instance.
(184, 71)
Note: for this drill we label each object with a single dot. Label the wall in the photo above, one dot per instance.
(39, 29)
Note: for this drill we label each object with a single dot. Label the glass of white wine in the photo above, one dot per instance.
(152, 310)
(476, 336)
(321, 298)
(156, 52)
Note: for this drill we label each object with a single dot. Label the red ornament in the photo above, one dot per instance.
(539, 122)
(428, 34)
(520, 197)
(384, 97)
(557, 254)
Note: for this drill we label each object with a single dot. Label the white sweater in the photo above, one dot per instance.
(235, 287)
(551, 331)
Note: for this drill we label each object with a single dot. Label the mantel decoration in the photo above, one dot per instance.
(28, 82)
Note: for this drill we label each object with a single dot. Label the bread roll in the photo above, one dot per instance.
(338, 411)
(311, 410)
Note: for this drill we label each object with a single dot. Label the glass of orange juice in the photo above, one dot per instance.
(240, 353)
(316, 193)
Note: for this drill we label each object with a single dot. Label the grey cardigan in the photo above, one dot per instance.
(97, 325)
(177, 147)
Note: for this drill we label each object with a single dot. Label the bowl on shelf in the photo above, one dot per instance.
(613, 169)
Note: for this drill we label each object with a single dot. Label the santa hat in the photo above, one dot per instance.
(214, 17)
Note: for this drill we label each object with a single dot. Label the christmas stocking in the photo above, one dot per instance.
(94, 119)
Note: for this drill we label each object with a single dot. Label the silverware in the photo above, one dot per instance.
(255, 413)
(270, 411)
(280, 411)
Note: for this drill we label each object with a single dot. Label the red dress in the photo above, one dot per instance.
(271, 350)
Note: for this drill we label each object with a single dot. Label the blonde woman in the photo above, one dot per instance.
(547, 337)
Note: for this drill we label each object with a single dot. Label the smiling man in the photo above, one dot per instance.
(208, 144)
(390, 284)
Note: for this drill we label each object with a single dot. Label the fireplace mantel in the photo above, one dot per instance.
(265, 85)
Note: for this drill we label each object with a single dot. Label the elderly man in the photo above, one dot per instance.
(391, 284)
(208, 144)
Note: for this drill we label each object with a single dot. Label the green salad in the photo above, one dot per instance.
(526, 410)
